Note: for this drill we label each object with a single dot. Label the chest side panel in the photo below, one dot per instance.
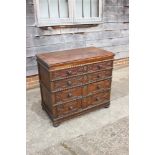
(44, 76)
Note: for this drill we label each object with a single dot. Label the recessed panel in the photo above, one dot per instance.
(63, 8)
(78, 8)
(43, 7)
(54, 9)
(95, 8)
(86, 8)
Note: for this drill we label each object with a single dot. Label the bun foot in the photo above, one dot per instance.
(42, 107)
(56, 124)
(107, 105)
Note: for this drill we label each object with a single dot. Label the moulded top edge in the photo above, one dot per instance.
(75, 55)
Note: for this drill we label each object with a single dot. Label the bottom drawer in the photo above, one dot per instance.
(97, 98)
(66, 108)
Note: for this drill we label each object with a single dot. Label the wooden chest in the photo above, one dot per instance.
(74, 82)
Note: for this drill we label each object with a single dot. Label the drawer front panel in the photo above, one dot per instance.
(100, 75)
(98, 98)
(100, 66)
(67, 83)
(68, 94)
(69, 107)
(67, 72)
(103, 96)
(105, 84)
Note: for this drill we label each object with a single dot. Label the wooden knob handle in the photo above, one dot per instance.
(69, 72)
(85, 68)
(70, 94)
(99, 66)
(97, 98)
(98, 86)
(69, 83)
(99, 76)
(71, 107)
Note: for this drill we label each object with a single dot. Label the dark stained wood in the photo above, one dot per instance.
(68, 94)
(98, 98)
(74, 82)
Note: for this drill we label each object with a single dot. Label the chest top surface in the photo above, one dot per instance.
(79, 54)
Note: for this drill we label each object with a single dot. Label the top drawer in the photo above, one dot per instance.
(100, 65)
(64, 73)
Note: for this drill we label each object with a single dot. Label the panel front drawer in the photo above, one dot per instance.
(68, 94)
(67, 83)
(66, 73)
(98, 98)
(100, 75)
(67, 108)
(100, 66)
(105, 84)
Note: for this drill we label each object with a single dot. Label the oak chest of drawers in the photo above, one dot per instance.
(74, 82)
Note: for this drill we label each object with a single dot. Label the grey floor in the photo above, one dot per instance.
(87, 134)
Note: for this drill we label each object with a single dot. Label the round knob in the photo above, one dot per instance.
(99, 66)
(69, 72)
(97, 98)
(85, 77)
(99, 76)
(69, 83)
(71, 107)
(70, 94)
(85, 68)
(98, 86)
